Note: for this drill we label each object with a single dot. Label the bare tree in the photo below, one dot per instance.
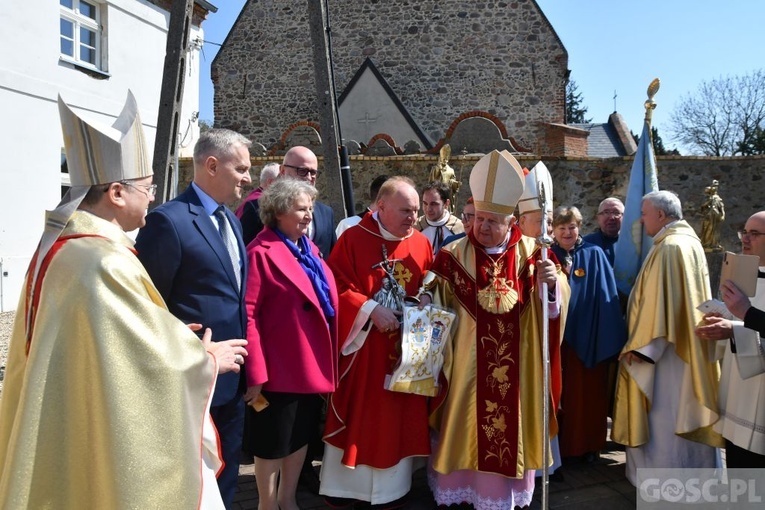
(723, 117)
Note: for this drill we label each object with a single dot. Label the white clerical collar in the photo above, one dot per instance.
(439, 223)
(387, 235)
(665, 227)
(494, 250)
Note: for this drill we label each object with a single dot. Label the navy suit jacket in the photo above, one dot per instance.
(323, 218)
(186, 258)
(324, 222)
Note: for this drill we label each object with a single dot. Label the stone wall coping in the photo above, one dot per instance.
(525, 157)
(566, 128)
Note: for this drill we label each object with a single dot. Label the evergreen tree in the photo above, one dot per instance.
(575, 111)
(658, 143)
(205, 125)
(755, 144)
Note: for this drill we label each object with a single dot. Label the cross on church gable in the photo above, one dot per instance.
(367, 120)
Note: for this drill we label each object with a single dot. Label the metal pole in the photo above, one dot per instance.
(545, 241)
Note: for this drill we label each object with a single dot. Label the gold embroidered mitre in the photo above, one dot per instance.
(496, 183)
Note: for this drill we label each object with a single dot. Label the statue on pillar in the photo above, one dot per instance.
(444, 173)
(713, 214)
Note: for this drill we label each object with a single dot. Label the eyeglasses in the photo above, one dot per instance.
(467, 216)
(150, 189)
(611, 212)
(303, 171)
(749, 234)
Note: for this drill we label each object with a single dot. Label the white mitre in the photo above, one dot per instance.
(530, 201)
(496, 183)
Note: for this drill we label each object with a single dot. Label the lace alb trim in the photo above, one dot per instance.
(469, 495)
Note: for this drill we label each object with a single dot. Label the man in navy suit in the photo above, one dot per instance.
(299, 163)
(184, 249)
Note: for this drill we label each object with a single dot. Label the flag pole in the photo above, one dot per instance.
(634, 243)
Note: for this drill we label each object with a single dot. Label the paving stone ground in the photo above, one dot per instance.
(599, 485)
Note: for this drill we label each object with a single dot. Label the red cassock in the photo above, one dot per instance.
(373, 426)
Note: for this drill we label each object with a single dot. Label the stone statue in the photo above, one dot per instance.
(713, 214)
(444, 173)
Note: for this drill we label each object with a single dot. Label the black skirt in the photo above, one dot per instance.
(286, 425)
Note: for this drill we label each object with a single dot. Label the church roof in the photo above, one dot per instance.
(609, 139)
(602, 142)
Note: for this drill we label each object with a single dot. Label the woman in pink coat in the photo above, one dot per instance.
(291, 303)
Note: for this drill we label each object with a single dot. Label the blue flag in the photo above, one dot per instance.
(633, 244)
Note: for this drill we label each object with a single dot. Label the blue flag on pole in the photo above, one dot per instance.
(633, 244)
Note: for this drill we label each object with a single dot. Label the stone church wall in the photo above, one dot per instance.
(441, 58)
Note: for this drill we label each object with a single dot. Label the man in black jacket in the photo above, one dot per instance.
(299, 163)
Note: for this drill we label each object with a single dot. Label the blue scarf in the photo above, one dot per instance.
(313, 268)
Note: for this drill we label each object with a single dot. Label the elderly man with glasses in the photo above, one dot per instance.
(106, 398)
(610, 215)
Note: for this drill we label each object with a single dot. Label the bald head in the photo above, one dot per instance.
(300, 163)
(754, 244)
(397, 206)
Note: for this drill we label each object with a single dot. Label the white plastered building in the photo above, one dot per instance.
(90, 52)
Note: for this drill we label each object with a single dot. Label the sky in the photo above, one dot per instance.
(614, 46)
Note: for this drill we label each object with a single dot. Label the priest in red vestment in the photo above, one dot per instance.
(374, 435)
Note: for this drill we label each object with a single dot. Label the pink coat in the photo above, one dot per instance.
(291, 347)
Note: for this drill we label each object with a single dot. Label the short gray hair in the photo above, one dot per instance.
(217, 143)
(666, 201)
(269, 172)
(610, 199)
(279, 197)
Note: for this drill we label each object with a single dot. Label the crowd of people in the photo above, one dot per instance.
(139, 372)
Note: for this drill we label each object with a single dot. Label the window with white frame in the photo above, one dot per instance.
(81, 31)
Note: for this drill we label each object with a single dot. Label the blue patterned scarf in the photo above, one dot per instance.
(313, 268)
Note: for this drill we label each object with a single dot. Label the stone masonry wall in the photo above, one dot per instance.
(584, 182)
(441, 57)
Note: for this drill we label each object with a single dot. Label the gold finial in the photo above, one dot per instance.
(650, 105)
